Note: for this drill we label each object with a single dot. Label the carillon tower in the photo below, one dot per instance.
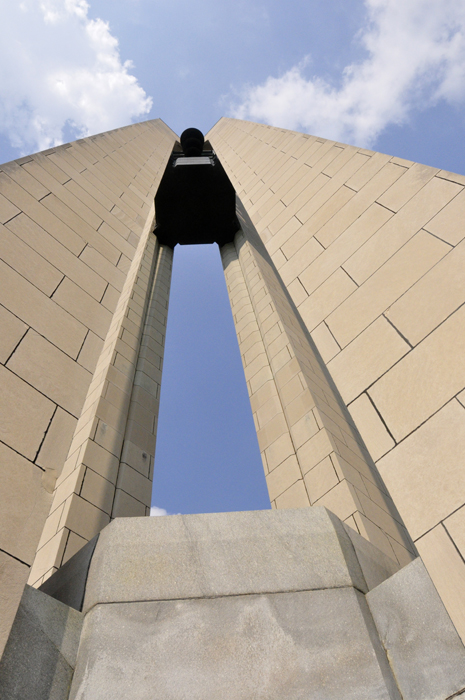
(344, 269)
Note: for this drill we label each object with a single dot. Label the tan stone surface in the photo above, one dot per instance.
(83, 517)
(295, 497)
(7, 210)
(282, 477)
(331, 294)
(125, 506)
(448, 223)
(12, 331)
(432, 299)
(447, 570)
(35, 309)
(28, 263)
(135, 484)
(400, 229)
(407, 186)
(83, 307)
(54, 449)
(25, 505)
(97, 491)
(425, 474)
(24, 414)
(314, 450)
(366, 358)
(455, 526)
(340, 500)
(49, 370)
(73, 545)
(424, 380)
(57, 255)
(359, 203)
(343, 247)
(384, 287)
(371, 427)
(321, 479)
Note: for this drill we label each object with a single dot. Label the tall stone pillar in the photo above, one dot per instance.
(311, 450)
(370, 249)
(83, 284)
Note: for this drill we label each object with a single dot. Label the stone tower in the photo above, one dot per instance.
(345, 276)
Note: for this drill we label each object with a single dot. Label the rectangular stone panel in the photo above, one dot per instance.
(424, 474)
(320, 645)
(206, 555)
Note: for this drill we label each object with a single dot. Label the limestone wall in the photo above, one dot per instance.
(75, 225)
(371, 250)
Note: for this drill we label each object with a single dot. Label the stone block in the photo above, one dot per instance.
(21, 404)
(54, 449)
(12, 331)
(399, 229)
(324, 300)
(358, 203)
(33, 307)
(13, 577)
(187, 556)
(344, 246)
(42, 365)
(424, 650)
(424, 473)
(28, 263)
(367, 358)
(371, 427)
(448, 224)
(295, 496)
(282, 477)
(385, 286)
(98, 491)
(126, 506)
(447, 570)
(432, 299)
(321, 479)
(68, 584)
(40, 654)
(376, 566)
(25, 505)
(407, 186)
(7, 210)
(319, 645)
(57, 254)
(83, 307)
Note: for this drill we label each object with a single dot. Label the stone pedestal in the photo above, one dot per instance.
(264, 605)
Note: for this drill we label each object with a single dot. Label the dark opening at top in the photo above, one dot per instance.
(195, 202)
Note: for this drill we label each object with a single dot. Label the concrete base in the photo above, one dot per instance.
(40, 654)
(264, 605)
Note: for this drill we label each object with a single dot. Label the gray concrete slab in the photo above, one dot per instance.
(41, 651)
(424, 649)
(68, 584)
(315, 645)
(375, 565)
(196, 556)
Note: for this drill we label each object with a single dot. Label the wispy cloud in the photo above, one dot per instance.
(155, 510)
(61, 75)
(415, 56)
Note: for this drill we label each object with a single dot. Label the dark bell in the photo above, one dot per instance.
(192, 141)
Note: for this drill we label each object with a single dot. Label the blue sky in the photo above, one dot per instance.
(384, 74)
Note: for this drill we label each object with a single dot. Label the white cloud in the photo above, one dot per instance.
(415, 56)
(155, 510)
(61, 75)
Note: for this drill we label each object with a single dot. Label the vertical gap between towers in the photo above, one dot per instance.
(207, 456)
